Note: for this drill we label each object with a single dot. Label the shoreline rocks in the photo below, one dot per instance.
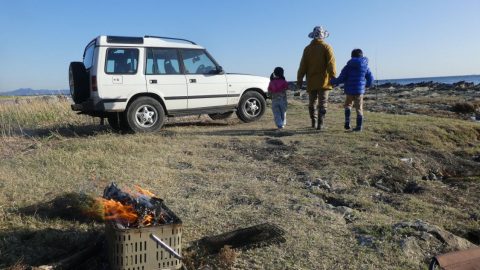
(458, 100)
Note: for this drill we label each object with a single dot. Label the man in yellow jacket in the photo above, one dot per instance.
(318, 65)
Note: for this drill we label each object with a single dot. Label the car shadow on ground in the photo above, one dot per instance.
(261, 132)
(69, 131)
(75, 131)
(197, 124)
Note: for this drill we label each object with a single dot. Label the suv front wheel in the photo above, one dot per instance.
(251, 107)
(145, 114)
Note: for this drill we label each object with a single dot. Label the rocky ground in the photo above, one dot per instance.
(459, 100)
(391, 197)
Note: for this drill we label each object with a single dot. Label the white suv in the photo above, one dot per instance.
(135, 82)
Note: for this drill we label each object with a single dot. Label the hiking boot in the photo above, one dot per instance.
(321, 118)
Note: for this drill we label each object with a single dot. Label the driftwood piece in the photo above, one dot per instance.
(75, 259)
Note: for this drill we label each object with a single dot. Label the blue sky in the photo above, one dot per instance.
(402, 38)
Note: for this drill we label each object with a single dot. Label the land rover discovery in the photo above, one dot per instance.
(136, 82)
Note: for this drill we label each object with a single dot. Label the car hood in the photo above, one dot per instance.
(245, 78)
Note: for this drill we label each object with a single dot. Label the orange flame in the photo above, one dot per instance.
(117, 211)
(126, 214)
(147, 221)
(144, 191)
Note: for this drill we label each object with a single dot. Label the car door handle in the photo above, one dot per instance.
(193, 80)
(153, 81)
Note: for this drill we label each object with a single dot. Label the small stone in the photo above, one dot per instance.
(407, 160)
(380, 186)
(329, 206)
(322, 183)
(365, 240)
(308, 184)
(343, 210)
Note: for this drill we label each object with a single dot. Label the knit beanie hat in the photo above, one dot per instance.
(318, 33)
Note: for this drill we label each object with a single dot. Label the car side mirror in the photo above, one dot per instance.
(220, 70)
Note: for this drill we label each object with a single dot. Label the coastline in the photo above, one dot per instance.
(443, 79)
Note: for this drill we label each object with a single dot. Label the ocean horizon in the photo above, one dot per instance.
(443, 79)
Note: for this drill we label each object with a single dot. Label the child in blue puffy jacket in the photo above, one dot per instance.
(355, 76)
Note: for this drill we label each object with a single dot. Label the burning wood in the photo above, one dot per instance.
(135, 209)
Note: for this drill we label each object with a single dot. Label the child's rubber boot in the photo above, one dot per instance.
(347, 118)
(359, 126)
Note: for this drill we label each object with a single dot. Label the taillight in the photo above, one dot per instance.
(94, 84)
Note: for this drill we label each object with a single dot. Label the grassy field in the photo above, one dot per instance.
(224, 175)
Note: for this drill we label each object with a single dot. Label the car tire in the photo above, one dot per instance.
(78, 81)
(145, 114)
(118, 122)
(251, 106)
(220, 116)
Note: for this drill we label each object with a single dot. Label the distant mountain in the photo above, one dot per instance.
(32, 92)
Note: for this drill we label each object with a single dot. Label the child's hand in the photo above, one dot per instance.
(332, 81)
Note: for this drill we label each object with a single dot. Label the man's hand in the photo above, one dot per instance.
(298, 87)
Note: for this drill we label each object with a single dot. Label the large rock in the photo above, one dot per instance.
(448, 239)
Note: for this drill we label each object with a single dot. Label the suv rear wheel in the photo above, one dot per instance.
(78, 80)
(251, 106)
(145, 114)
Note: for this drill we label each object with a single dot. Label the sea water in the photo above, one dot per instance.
(449, 80)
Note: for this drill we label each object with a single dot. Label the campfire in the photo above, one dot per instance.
(134, 209)
(141, 231)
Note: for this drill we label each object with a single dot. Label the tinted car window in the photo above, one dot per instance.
(162, 61)
(197, 62)
(121, 61)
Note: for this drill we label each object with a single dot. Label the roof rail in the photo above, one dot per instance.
(181, 39)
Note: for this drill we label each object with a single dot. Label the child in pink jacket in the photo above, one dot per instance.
(278, 90)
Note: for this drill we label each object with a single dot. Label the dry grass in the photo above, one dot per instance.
(223, 175)
(227, 257)
(24, 116)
